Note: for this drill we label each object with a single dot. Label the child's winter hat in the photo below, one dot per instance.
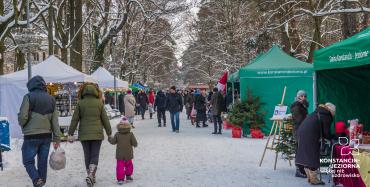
(124, 119)
(124, 123)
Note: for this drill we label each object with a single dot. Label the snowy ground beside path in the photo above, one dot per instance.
(194, 157)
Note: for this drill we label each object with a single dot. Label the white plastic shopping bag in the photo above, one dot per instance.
(57, 160)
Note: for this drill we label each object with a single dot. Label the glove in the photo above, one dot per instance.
(71, 139)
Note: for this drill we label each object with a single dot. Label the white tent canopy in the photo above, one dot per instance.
(106, 79)
(13, 86)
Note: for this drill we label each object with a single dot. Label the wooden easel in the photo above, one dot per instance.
(277, 126)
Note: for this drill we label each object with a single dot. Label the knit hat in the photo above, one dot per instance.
(129, 91)
(124, 119)
(331, 107)
(300, 93)
(124, 123)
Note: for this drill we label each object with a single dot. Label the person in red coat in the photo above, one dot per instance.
(151, 99)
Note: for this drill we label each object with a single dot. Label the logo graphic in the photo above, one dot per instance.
(353, 145)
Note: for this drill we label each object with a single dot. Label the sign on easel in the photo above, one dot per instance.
(279, 112)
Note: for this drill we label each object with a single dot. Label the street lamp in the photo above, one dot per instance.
(114, 68)
(27, 42)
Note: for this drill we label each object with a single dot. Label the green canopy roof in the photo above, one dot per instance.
(351, 52)
(274, 63)
(234, 77)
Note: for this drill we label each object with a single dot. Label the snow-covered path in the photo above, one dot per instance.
(194, 157)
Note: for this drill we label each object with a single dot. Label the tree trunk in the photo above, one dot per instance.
(284, 37)
(77, 44)
(2, 47)
(64, 54)
(295, 39)
(365, 21)
(50, 30)
(71, 23)
(349, 22)
(20, 61)
(316, 38)
(2, 50)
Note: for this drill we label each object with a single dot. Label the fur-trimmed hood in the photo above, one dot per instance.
(124, 127)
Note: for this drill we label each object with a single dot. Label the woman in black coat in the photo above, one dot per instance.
(200, 106)
(299, 111)
(309, 135)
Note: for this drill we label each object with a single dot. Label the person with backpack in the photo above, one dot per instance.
(38, 119)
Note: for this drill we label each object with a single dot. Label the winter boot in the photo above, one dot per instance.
(39, 183)
(312, 177)
(219, 132)
(94, 174)
(197, 125)
(299, 174)
(205, 125)
(90, 176)
(129, 178)
(120, 182)
(214, 132)
(159, 125)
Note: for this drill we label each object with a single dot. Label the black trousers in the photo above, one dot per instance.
(91, 151)
(161, 114)
(217, 121)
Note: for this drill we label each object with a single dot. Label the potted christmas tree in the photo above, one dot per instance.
(255, 115)
(247, 112)
(236, 118)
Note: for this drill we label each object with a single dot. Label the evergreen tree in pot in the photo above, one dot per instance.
(248, 112)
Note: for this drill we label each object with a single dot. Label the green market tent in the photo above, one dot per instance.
(267, 76)
(234, 77)
(233, 82)
(343, 77)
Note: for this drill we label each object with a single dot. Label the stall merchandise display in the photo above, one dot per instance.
(65, 96)
(355, 130)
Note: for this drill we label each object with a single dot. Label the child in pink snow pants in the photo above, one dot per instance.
(125, 141)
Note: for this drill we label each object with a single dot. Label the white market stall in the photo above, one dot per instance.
(13, 87)
(106, 80)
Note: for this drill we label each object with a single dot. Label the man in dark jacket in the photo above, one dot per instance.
(217, 103)
(142, 100)
(316, 126)
(160, 107)
(299, 111)
(38, 119)
(200, 106)
(174, 105)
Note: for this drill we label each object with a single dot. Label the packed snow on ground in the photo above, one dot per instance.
(194, 157)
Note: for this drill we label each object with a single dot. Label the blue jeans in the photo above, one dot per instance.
(39, 148)
(175, 126)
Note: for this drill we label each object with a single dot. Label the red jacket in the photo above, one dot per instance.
(151, 98)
